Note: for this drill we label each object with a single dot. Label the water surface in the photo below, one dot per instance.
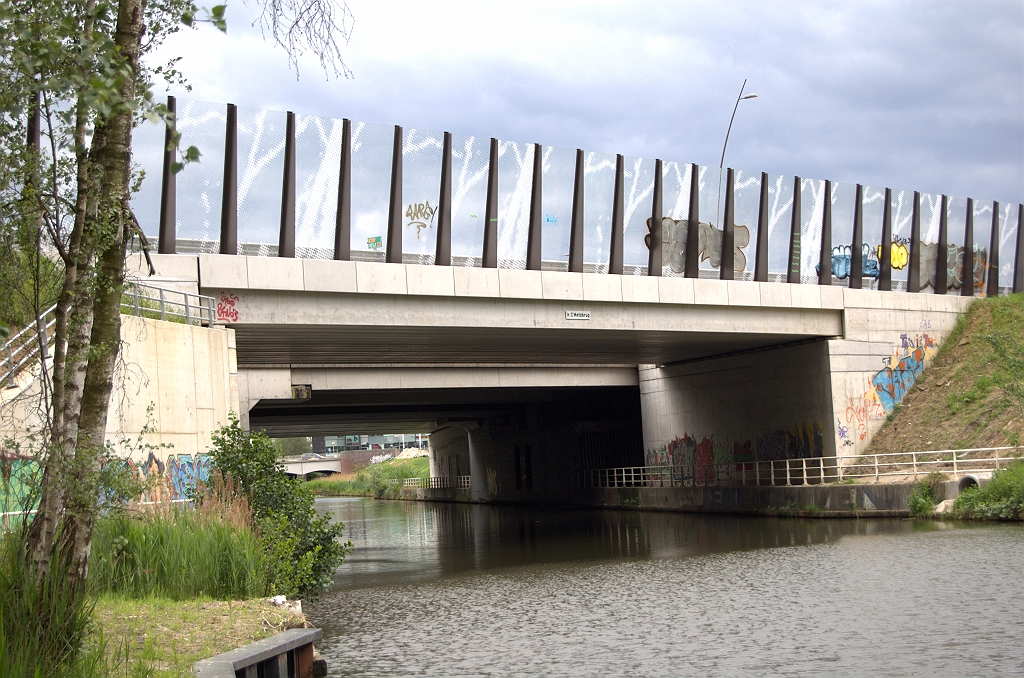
(437, 589)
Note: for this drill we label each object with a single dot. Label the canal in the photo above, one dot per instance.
(435, 589)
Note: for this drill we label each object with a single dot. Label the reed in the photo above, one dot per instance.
(179, 552)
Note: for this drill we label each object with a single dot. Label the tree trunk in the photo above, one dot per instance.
(114, 161)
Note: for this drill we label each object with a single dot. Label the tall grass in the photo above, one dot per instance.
(180, 552)
(45, 627)
(372, 480)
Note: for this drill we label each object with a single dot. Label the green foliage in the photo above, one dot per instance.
(178, 555)
(293, 447)
(27, 645)
(1002, 498)
(306, 547)
(372, 480)
(923, 495)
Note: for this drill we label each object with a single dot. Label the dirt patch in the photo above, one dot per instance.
(972, 394)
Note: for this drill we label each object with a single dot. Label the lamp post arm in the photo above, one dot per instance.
(721, 162)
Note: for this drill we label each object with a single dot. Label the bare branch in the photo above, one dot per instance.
(299, 26)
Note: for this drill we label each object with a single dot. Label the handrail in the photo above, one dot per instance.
(138, 298)
(438, 483)
(23, 347)
(142, 299)
(915, 464)
(809, 471)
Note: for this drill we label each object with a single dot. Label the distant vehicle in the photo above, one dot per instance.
(310, 455)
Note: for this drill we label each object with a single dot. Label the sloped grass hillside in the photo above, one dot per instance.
(973, 393)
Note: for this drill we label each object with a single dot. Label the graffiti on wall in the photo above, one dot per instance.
(892, 382)
(673, 244)
(887, 387)
(794, 442)
(954, 267)
(183, 472)
(842, 262)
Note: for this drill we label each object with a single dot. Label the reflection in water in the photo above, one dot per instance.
(457, 589)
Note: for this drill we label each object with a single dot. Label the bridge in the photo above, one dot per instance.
(668, 340)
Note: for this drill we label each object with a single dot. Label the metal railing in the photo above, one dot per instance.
(438, 483)
(812, 471)
(138, 299)
(22, 349)
(916, 464)
(159, 303)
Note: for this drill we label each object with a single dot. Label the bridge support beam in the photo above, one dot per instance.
(479, 491)
(993, 254)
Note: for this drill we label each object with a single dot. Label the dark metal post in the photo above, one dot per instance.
(32, 136)
(825, 260)
(533, 237)
(793, 271)
(1018, 261)
(229, 199)
(728, 261)
(443, 252)
(857, 246)
(993, 254)
(691, 268)
(761, 255)
(914, 270)
(490, 254)
(885, 258)
(393, 253)
(967, 261)
(618, 225)
(942, 250)
(286, 241)
(168, 217)
(576, 225)
(343, 215)
(654, 237)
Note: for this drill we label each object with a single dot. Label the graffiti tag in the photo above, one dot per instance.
(226, 310)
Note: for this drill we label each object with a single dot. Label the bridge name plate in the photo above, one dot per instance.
(577, 315)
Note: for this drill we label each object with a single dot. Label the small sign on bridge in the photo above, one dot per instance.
(577, 315)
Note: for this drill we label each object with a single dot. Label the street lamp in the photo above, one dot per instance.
(740, 97)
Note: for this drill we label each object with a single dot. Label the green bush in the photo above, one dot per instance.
(302, 549)
(1002, 498)
(923, 495)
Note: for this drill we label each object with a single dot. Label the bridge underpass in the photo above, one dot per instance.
(730, 371)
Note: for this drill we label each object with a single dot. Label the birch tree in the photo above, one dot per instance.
(74, 76)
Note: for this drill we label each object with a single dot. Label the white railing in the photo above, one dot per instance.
(23, 347)
(137, 299)
(438, 483)
(165, 304)
(915, 464)
(812, 471)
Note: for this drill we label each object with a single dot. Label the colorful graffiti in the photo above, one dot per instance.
(183, 472)
(899, 253)
(842, 262)
(673, 244)
(795, 442)
(893, 381)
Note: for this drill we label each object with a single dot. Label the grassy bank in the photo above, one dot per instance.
(372, 481)
(972, 395)
(163, 638)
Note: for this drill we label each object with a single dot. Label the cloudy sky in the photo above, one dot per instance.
(915, 95)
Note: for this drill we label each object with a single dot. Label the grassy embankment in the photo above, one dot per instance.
(372, 480)
(972, 395)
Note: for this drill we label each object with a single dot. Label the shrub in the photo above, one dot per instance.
(1002, 498)
(923, 495)
(302, 549)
